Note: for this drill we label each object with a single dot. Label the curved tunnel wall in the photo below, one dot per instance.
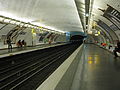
(108, 32)
(112, 15)
(108, 29)
(34, 37)
(105, 35)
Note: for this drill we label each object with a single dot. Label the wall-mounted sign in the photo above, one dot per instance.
(33, 31)
(112, 11)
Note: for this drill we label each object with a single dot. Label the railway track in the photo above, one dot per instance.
(30, 70)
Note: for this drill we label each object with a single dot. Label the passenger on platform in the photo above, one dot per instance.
(103, 44)
(110, 46)
(19, 43)
(50, 42)
(9, 45)
(23, 43)
(117, 49)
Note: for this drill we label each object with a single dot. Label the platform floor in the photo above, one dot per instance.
(101, 70)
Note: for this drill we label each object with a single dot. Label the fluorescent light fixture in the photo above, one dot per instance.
(7, 20)
(32, 26)
(45, 29)
(35, 27)
(86, 14)
(26, 25)
(51, 28)
(52, 31)
(1, 18)
(17, 23)
(12, 22)
(29, 25)
(12, 16)
(6, 14)
(21, 24)
(38, 28)
(96, 34)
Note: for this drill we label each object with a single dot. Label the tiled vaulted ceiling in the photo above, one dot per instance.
(56, 14)
(64, 15)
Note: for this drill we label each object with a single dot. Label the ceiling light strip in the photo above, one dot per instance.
(21, 23)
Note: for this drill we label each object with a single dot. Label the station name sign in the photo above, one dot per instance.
(113, 12)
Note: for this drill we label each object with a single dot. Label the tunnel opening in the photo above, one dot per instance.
(77, 39)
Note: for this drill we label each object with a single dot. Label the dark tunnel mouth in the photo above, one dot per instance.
(77, 38)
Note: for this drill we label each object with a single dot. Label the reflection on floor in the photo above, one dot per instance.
(102, 70)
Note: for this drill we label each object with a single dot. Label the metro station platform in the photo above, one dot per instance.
(15, 50)
(101, 70)
(88, 68)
